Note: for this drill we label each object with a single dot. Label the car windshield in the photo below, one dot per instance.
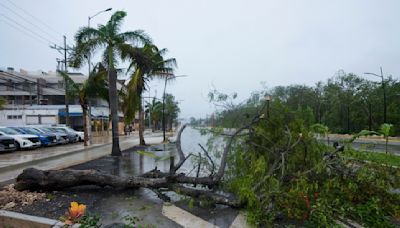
(62, 130)
(9, 131)
(48, 130)
(31, 131)
(21, 131)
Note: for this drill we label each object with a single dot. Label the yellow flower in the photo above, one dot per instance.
(76, 210)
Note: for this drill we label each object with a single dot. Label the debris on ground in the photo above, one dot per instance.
(9, 197)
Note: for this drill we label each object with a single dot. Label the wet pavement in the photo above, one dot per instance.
(113, 205)
(63, 158)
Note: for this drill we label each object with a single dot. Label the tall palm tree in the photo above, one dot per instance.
(95, 86)
(146, 63)
(112, 42)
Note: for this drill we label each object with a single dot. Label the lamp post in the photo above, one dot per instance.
(384, 93)
(88, 57)
(167, 77)
(268, 99)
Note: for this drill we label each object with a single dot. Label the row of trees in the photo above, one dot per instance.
(346, 103)
(154, 112)
(146, 62)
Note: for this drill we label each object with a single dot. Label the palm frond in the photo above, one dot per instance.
(135, 37)
(114, 24)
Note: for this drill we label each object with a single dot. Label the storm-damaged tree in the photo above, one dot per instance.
(146, 63)
(112, 42)
(96, 86)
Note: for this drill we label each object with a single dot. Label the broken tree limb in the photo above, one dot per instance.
(178, 144)
(215, 197)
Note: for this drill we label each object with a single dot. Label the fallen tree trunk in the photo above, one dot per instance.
(35, 179)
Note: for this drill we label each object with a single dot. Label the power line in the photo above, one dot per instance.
(28, 34)
(37, 19)
(33, 32)
(29, 22)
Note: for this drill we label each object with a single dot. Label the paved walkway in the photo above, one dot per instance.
(59, 158)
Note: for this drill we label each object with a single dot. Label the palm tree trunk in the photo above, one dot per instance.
(85, 125)
(141, 126)
(112, 92)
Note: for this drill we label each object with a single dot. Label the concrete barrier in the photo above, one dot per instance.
(11, 219)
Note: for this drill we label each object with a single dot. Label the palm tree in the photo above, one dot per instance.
(146, 63)
(94, 86)
(112, 42)
(154, 111)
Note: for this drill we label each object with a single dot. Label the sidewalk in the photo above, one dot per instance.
(64, 158)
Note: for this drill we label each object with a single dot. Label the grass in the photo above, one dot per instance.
(380, 158)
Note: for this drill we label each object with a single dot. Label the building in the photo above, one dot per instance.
(39, 98)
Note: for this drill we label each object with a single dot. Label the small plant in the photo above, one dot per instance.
(90, 221)
(385, 131)
(74, 214)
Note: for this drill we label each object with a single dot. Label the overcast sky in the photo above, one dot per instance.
(227, 44)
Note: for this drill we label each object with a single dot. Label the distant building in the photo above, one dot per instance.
(39, 98)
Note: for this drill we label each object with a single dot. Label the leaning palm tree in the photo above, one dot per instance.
(146, 63)
(112, 42)
(95, 86)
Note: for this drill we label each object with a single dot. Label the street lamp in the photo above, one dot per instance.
(384, 92)
(167, 77)
(268, 99)
(88, 57)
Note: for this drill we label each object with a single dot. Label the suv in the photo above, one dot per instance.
(7, 144)
(22, 141)
(46, 139)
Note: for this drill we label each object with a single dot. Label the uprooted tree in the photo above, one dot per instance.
(274, 167)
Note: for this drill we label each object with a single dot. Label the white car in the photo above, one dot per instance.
(22, 141)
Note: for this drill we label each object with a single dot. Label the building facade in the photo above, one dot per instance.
(39, 98)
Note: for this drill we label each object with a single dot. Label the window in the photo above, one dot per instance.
(12, 117)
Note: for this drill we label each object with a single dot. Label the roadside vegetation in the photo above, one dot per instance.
(284, 175)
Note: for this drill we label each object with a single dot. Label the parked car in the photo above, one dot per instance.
(61, 137)
(72, 137)
(46, 139)
(68, 129)
(7, 144)
(22, 141)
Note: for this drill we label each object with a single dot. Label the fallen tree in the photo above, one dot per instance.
(48, 180)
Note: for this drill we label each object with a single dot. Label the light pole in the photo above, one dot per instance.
(89, 105)
(384, 93)
(167, 77)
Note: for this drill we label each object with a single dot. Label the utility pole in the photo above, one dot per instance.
(66, 83)
(384, 93)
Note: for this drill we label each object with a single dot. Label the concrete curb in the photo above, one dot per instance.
(11, 219)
